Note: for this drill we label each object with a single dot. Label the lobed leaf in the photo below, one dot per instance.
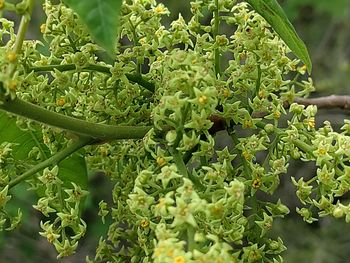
(273, 13)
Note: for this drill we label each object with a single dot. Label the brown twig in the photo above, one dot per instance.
(328, 102)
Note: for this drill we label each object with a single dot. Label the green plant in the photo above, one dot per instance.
(145, 113)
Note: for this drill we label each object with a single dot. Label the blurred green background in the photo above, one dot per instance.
(325, 27)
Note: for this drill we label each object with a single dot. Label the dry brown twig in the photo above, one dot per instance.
(327, 102)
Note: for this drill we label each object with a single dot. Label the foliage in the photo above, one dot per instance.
(148, 119)
(100, 17)
(274, 15)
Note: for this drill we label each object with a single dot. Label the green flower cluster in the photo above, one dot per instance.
(189, 201)
(177, 198)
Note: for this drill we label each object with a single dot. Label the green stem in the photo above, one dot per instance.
(136, 43)
(188, 155)
(141, 81)
(94, 130)
(313, 179)
(243, 161)
(267, 260)
(164, 191)
(55, 159)
(303, 146)
(72, 44)
(67, 67)
(181, 166)
(272, 146)
(23, 28)
(216, 32)
(93, 67)
(38, 144)
(309, 149)
(190, 237)
(258, 81)
(307, 135)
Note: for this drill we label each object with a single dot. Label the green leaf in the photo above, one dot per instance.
(275, 16)
(72, 169)
(101, 18)
(25, 141)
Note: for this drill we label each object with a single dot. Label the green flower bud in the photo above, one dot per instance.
(269, 128)
(171, 137)
(338, 212)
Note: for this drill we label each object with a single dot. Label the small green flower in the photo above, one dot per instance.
(253, 253)
(216, 210)
(325, 205)
(326, 177)
(343, 143)
(65, 248)
(169, 250)
(339, 210)
(139, 202)
(221, 41)
(215, 173)
(44, 207)
(279, 165)
(278, 209)
(296, 108)
(171, 137)
(205, 99)
(50, 177)
(5, 150)
(324, 148)
(49, 232)
(188, 193)
(75, 194)
(168, 173)
(68, 218)
(183, 213)
(160, 9)
(303, 190)
(189, 142)
(236, 190)
(79, 230)
(4, 198)
(265, 224)
(346, 127)
(103, 210)
(80, 60)
(161, 208)
(206, 147)
(276, 246)
(306, 214)
(15, 221)
(199, 122)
